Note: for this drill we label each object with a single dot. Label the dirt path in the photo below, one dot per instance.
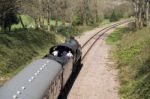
(98, 78)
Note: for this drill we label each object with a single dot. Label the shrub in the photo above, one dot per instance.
(77, 20)
(115, 16)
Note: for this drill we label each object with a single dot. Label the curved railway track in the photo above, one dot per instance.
(99, 34)
(87, 47)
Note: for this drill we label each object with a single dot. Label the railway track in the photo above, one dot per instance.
(86, 47)
(98, 35)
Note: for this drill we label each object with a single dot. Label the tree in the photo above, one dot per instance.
(141, 9)
(63, 6)
(8, 14)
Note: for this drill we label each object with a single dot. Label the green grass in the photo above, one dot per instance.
(52, 23)
(84, 28)
(132, 54)
(104, 22)
(29, 22)
(116, 35)
(21, 47)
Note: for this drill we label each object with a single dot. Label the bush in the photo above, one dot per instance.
(116, 35)
(77, 20)
(114, 16)
(68, 31)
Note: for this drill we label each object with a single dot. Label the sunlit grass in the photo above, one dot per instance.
(22, 47)
(29, 22)
(132, 54)
(115, 35)
(104, 22)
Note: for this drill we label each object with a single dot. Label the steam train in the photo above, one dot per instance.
(45, 78)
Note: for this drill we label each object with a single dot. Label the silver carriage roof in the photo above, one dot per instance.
(32, 82)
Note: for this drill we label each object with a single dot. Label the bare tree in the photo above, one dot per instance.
(141, 8)
(87, 11)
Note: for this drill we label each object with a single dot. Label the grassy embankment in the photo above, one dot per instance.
(18, 48)
(132, 55)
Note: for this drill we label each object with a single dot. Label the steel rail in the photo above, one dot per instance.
(103, 31)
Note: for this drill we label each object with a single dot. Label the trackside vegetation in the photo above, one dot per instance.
(19, 48)
(29, 28)
(115, 36)
(132, 54)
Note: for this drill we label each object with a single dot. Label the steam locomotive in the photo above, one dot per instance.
(45, 78)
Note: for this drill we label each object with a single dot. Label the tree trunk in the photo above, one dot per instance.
(48, 22)
(140, 19)
(96, 16)
(140, 7)
(9, 28)
(84, 19)
(36, 23)
(63, 21)
(21, 21)
(39, 23)
(135, 13)
(147, 14)
(42, 21)
(71, 19)
(3, 24)
(56, 24)
(141, 12)
(96, 12)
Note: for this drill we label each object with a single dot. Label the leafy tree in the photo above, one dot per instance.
(76, 20)
(8, 14)
(115, 16)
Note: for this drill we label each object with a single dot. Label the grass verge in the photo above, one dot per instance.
(115, 36)
(20, 48)
(133, 61)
